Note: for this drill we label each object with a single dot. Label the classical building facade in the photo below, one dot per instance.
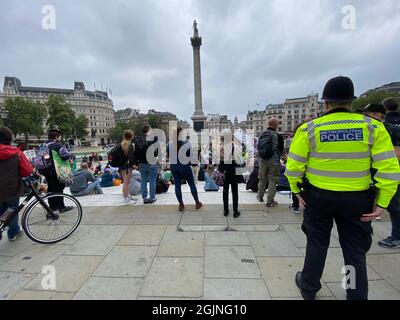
(393, 87)
(96, 106)
(218, 122)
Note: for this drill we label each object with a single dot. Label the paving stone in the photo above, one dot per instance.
(299, 238)
(190, 228)
(387, 267)
(378, 290)
(71, 273)
(3, 259)
(286, 217)
(279, 275)
(272, 244)
(227, 239)
(175, 277)
(378, 250)
(216, 228)
(192, 218)
(78, 234)
(41, 295)
(11, 249)
(334, 265)
(110, 289)
(267, 228)
(11, 282)
(139, 235)
(382, 229)
(244, 228)
(98, 241)
(34, 258)
(227, 262)
(235, 289)
(181, 244)
(127, 262)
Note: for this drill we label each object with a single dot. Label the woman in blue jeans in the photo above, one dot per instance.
(182, 171)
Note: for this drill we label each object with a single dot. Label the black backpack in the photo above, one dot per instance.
(141, 146)
(116, 157)
(161, 186)
(266, 148)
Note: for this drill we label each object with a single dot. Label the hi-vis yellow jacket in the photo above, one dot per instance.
(336, 152)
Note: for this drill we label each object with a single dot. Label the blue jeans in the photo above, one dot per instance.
(149, 174)
(180, 172)
(394, 210)
(94, 186)
(13, 227)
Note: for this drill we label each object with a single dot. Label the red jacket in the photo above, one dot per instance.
(13, 166)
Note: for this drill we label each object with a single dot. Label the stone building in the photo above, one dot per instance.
(96, 106)
(393, 87)
(218, 122)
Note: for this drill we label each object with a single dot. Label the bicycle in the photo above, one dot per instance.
(42, 224)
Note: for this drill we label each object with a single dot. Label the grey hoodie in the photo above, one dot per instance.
(81, 180)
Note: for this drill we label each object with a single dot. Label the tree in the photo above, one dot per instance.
(80, 127)
(25, 117)
(373, 97)
(154, 121)
(61, 115)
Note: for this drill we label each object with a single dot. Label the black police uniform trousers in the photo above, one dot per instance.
(355, 237)
(230, 179)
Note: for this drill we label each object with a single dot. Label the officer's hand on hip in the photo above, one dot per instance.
(302, 203)
(378, 212)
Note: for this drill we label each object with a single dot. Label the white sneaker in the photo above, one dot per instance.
(378, 219)
(128, 201)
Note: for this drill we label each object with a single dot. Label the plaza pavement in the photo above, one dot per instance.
(136, 252)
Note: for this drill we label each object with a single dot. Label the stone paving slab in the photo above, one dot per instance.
(227, 262)
(42, 295)
(181, 244)
(378, 290)
(98, 241)
(11, 249)
(71, 273)
(227, 239)
(110, 289)
(174, 277)
(235, 289)
(127, 262)
(143, 235)
(273, 244)
(11, 282)
(279, 275)
(299, 238)
(32, 259)
(388, 267)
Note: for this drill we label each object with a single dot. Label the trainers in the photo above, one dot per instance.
(66, 209)
(151, 201)
(294, 210)
(15, 237)
(260, 199)
(378, 219)
(272, 204)
(236, 214)
(390, 243)
(298, 281)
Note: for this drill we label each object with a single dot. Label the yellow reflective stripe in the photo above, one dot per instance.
(336, 174)
(388, 176)
(340, 155)
(297, 158)
(311, 135)
(384, 156)
(294, 174)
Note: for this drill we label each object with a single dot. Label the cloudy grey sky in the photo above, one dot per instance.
(254, 51)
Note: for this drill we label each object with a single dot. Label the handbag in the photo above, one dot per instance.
(63, 169)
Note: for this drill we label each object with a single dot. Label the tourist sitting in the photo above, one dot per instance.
(107, 178)
(210, 185)
(84, 182)
(135, 182)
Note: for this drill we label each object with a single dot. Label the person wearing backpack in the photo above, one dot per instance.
(148, 171)
(49, 171)
(270, 148)
(13, 166)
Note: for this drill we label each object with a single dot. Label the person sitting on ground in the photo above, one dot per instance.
(13, 166)
(210, 185)
(81, 185)
(107, 178)
(135, 182)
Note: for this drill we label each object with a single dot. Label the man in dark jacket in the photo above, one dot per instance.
(54, 186)
(392, 115)
(84, 182)
(13, 166)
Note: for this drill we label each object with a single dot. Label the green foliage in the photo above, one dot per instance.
(25, 117)
(373, 97)
(154, 121)
(80, 127)
(61, 115)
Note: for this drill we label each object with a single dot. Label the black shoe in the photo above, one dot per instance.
(66, 209)
(299, 285)
(226, 213)
(236, 214)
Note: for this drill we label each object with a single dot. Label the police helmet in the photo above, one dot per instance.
(339, 89)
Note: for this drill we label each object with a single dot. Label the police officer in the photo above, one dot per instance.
(329, 170)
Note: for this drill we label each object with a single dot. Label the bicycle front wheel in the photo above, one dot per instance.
(45, 228)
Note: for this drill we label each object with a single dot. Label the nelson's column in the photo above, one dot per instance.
(198, 118)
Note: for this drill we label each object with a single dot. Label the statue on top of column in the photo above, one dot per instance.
(195, 29)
